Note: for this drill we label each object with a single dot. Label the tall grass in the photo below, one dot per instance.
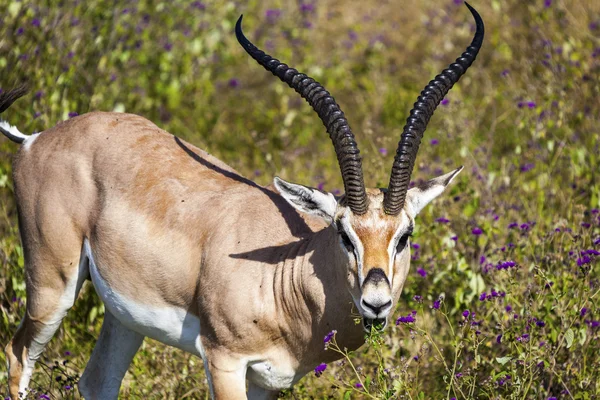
(504, 282)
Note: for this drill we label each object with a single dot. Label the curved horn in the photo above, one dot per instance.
(422, 111)
(330, 113)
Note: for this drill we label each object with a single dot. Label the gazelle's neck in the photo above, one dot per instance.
(311, 292)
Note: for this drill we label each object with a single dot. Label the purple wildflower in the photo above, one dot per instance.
(307, 7)
(409, 319)
(476, 231)
(358, 385)
(442, 220)
(482, 296)
(73, 114)
(417, 298)
(383, 151)
(35, 22)
(455, 238)
(233, 83)
(273, 14)
(20, 31)
(329, 336)
(466, 313)
(436, 304)
(531, 104)
(433, 142)
(505, 73)
(581, 261)
(540, 323)
(583, 311)
(422, 272)
(527, 167)
(319, 369)
(499, 338)
(512, 225)
(547, 3)
(508, 308)
(416, 246)
(445, 102)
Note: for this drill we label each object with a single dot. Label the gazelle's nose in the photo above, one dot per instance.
(378, 308)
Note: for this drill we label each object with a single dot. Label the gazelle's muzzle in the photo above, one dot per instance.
(376, 299)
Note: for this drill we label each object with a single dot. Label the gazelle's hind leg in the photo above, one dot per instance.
(110, 359)
(52, 287)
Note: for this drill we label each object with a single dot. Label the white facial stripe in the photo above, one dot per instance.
(358, 247)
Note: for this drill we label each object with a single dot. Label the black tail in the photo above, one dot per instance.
(6, 100)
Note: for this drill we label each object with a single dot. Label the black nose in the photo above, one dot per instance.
(376, 309)
(376, 275)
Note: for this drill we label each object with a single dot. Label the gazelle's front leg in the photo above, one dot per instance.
(110, 360)
(226, 376)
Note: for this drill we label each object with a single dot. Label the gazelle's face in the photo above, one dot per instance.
(375, 246)
(378, 252)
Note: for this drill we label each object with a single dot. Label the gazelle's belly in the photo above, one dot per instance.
(168, 324)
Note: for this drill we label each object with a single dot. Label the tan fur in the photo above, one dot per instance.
(171, 225)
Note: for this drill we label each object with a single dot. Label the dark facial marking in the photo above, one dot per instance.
(376, 275)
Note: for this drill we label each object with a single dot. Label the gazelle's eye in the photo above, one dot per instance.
(402, 242)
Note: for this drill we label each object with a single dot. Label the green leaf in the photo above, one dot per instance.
(503, 360)
(569, 336)
(582, 336)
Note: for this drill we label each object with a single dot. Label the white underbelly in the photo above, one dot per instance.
(171, 325)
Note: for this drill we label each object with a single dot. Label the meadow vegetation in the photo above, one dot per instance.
(502, 298)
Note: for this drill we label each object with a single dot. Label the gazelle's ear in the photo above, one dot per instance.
(418, 197)
(307, 200)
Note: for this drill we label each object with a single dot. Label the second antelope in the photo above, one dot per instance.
(183, 249)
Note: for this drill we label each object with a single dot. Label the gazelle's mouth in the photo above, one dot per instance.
(378, 324)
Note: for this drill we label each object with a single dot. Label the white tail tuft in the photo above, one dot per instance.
(12, 132)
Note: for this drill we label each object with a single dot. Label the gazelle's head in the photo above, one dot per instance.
(373, 225)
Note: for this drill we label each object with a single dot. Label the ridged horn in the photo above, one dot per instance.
(330, 113)
(422, 111)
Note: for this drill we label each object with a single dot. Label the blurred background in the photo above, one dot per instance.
(523, 121)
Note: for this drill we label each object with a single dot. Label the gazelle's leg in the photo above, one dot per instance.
(52, 287)
(257, 393)
(226, 376)
(110, 360)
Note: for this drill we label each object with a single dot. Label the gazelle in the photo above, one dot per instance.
(183, 249)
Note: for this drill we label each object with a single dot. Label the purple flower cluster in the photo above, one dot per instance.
(523, 338)
(329, 336)
(505, 265)
(491, 295)
(319, 369)
(409, 319)
(586, 257)
(503, 380)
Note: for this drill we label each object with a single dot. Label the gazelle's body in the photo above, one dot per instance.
(169, 249)
(183, 249)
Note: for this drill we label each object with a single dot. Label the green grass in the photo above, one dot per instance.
(524, 121)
